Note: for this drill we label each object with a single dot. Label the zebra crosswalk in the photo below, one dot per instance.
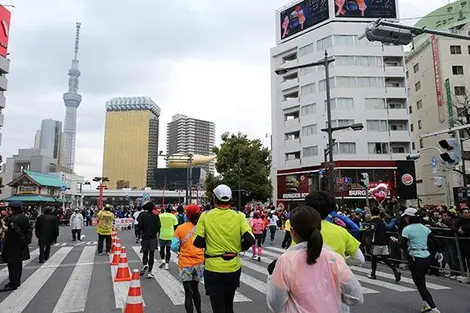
(72, 271)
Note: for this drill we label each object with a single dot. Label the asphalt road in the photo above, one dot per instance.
(76, 279)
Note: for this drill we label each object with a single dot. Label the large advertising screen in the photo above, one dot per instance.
(303, 15)
(4, 30)
(366, 8)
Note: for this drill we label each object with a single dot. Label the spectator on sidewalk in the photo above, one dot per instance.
(76, 223)
(47, 231)
(15, 247)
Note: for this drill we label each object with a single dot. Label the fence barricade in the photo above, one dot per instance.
(456, 251)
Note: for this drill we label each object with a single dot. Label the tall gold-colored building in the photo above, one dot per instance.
(130, 142)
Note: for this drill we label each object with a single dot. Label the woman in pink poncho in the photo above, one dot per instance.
(309, 277)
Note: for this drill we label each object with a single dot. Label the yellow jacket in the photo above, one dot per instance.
(105, 222)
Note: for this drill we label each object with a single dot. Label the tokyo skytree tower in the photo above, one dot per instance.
(72, 100)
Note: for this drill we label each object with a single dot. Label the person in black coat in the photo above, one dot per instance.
(47, 231)
(15, 250)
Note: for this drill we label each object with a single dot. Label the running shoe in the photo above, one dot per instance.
(259, 259)
(150, 275)
(167, 266)
(397, 277)
(143, 270)
(253, 256)
(162, 265)
(371, 276)
(425, 307)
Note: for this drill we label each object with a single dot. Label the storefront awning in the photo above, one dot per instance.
(31, 198)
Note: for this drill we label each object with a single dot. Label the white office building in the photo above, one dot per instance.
(438, 71)
(367, 83)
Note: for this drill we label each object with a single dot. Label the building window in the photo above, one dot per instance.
(457, 69)
(398, 149)
(308, 109)
(420, 126)
(342, 104)
(305, 50)
(419, 104)
(421, 145)
(325, 43)
(410, 109)
(416, 68)
(345, 81)
(339, 123)
(407, 74)
(377, 125)
(307, 89)
(378, 147)
(310, 151)
(412, 127)
(413, 147)
(345, 148)
(418, 86)
(322, 84)
(306, 70)
(370, 82)
(309, 130)
(375, 104)
(459, 90)
(344, 40)
(455, 50)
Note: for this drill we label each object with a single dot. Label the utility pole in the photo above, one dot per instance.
(239, 182)
(331, 174)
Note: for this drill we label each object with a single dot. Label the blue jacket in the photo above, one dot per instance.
(352, 227)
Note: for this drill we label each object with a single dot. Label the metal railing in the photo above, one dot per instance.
(456, 251)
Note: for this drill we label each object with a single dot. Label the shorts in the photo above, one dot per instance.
(220, 283)
(149, 244)
(164, 243)
(380, 250)
(192, 273)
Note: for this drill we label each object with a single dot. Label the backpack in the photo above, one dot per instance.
(180, 218)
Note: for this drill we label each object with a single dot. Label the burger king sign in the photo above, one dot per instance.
(407, 179)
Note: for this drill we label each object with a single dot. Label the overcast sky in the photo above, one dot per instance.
(204, 58)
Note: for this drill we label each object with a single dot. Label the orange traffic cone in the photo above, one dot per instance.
(116, 256)
(113, 243)
(123, 272)
(117, 246)
(134, 303)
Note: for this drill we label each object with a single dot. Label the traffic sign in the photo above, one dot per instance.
(347, 180)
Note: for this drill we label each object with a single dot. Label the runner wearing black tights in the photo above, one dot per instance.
(192, 295)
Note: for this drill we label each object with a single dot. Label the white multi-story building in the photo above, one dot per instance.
(367, 83)
(432, 62)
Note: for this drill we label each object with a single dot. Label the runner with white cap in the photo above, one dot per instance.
(415, 237)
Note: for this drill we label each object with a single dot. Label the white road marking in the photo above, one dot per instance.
(75, 293)
(120, 289)
(33, 255)
(403, 279)
(383, 284)
(369, 291)
(274, 249)
(170, 285)
(238, 296)
(56, 245)
(63, 244)
(17, 301)
(254, 283)
(265, 252)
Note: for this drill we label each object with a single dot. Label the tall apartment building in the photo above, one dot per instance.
(50, 138)
(131, 142)
(438, 72)
(4, 61)
(189, 135)
(367, 83)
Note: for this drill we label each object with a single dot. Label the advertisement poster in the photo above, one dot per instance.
(145, 198)
(366, 8)
(5, 16)
(303, 15)
(293, 187)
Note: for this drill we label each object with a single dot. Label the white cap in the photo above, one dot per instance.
(410, 212)
(223, 193)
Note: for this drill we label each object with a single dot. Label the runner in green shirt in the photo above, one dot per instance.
(168, 222)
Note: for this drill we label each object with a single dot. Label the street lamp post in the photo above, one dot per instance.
(81, 192)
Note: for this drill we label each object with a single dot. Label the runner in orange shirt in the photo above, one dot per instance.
(191, 259)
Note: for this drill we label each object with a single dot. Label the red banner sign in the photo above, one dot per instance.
(437, 70)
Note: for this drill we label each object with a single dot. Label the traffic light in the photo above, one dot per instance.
(452, 154)
(365, 180)
(387, 34)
